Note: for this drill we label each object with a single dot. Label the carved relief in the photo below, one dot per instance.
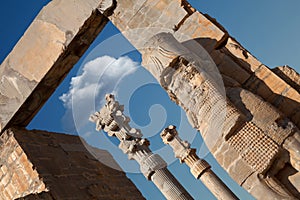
(258, 150)
(198, 89)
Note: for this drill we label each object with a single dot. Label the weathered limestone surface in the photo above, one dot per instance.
(52, 44)
(198, 167)
(275, 91)
(261, 126)
(139, 20)
(18, 176)
(60, 166)
(63, 31)
(254, 135)
(289, 75)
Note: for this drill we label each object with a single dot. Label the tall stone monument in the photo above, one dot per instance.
(258, 142)
(43, 165)
(258, 138)
(199, 167)
(112, 120)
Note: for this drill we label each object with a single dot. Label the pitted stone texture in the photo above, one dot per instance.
(155, 16)
(289, 75)
(152, 163)
(140, 20)
(195, 83)
(43, 56)
(280, 91)
(68, 169)
(74, 13)
(239, 52)
(122, 14)
(26, 56)
(175, 68)
(262, 113)
(229, 67)
(257, 149)
(16, 88)
(234, 164)
(276, 91)
(268, 188)
(18, 176)
(198, 26)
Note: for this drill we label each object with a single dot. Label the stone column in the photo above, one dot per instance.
(199, 167)
(193, 82)
(112, 120)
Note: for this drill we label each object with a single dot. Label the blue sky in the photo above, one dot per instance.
(268, 29)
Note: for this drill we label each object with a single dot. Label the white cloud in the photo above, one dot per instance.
(99, 76)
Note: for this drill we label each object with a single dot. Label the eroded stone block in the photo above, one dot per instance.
(62, 168)
(49, 48)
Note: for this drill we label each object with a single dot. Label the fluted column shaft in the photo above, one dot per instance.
(198, 167)
(112, 120)
(169, 186)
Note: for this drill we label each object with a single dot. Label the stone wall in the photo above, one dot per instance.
(18, 176)
(43, 165)
(247, 81)
(50, 47)
(289, 75)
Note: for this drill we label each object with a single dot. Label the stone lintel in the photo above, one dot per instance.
(53, 43)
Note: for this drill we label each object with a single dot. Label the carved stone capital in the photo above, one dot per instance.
(150, 164)
(115, 123)
(181, 148)
(199, 167)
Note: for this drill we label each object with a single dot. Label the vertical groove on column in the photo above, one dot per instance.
(169, 186)
(216, 186)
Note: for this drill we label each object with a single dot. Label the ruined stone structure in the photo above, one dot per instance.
(263, 142)
(260, 128)
(44, 165)
(38, 164)
(199, 167)
(112, 120)
(257, 109)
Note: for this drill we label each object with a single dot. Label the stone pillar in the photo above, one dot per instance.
(193, 83)
(50, 47)
(199, 167)
(112, 120)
